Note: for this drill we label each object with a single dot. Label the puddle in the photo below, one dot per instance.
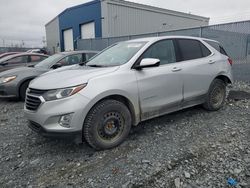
(238, 95)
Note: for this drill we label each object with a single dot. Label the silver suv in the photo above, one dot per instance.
(127, 83)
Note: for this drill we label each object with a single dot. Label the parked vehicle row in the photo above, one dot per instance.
(125, 84)
(14, 82)
(36, 51)
(7, 54)
(39, 51)
(20, 60)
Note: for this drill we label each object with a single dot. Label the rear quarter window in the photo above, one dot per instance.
(223, 51)
(217, 47)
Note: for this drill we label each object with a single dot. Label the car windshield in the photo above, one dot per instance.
(116, 55)
(47, 63)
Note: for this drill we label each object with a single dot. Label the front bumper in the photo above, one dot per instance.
(8, 90)
(45, 120)
(75, 136)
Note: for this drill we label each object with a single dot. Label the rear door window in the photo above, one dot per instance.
(205, 51)
(163, 50)
(190, 49)
(36, 58)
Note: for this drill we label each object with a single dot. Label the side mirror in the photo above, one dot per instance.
(57, 65)
(148, 62)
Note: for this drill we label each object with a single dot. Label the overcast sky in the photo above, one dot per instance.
(24, 20)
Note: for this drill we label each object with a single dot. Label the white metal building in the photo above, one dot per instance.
(112, 18)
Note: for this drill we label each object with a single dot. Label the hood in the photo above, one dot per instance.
(71, 67)
(67, 77)
(21, 70)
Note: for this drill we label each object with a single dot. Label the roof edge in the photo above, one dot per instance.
(139, 5)
(80, 5)
(51, 21)
(73, 7)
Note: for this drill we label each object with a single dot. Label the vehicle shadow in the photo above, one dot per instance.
(144, 129)
(167, 120)
(8, 99)
(140, 130)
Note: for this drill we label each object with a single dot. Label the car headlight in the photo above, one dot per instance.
(62, 93)
(7, 79)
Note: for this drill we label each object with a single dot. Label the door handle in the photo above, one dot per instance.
(211, 61)
(176, 69)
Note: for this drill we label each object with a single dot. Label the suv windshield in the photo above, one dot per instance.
(47, 63)
(116, 55)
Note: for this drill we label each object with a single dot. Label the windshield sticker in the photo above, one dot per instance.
(134, 45)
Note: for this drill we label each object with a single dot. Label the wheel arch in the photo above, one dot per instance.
(224, 78)
(21, 83)
(123, 99)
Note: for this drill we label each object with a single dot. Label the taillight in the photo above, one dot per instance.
(230, 61)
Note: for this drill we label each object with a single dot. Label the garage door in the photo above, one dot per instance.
(68, 40)
(88, 30)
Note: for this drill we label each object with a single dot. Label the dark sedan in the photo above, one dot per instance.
(13, 83)
(20, 60)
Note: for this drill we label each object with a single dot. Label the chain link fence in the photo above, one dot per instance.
(13, 49)
(235, 37)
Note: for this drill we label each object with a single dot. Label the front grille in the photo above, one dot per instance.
(32, 101)
(36, 91)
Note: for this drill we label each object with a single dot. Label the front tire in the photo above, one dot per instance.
(22, 90)
(216, 95)
(107, 124)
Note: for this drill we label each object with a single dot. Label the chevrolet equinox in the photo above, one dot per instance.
(125, 84)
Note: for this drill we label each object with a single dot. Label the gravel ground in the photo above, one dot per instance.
(190, 148)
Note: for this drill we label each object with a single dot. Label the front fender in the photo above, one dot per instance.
(20, 82)
(133, 101)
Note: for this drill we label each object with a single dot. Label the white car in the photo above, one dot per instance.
(40, 51)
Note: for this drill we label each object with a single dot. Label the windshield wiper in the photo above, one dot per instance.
(95, 65)
(83, 63)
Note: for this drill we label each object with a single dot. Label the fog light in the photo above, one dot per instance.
(65, 120)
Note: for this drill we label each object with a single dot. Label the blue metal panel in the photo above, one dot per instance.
(74, 17)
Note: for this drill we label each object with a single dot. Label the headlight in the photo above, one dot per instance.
(62, 93)
(7, 79)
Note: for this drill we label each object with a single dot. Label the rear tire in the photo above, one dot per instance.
(216, 95)
(22, 90)
(107, 124)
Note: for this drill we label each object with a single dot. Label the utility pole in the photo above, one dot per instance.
(44, 42)
(22, 44)
(3, 42)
